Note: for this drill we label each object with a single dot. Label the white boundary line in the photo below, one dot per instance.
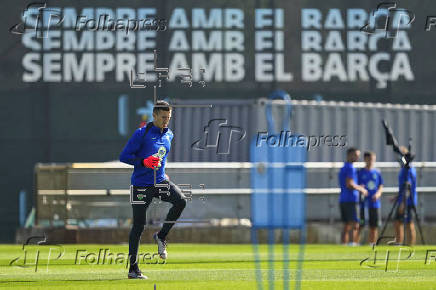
(223, 191)
(237, 165)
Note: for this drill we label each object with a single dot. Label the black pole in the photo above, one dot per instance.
(394, 206)
(418, 222)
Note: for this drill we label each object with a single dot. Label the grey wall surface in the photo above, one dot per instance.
(361, 123)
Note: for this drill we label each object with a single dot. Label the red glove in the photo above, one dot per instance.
(151, 162)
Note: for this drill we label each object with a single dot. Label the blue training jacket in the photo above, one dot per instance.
(411, 178)
(347, 194)
(142, 145)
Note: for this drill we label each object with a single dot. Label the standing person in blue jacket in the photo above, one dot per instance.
(372, 180)
(147, 150)
(349, 197)
(408, 198)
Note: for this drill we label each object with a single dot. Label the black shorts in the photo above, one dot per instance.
(349, 211)
(166, 191)
(141, 198)
(374, 217)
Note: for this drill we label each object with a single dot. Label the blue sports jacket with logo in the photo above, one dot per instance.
(142, 145)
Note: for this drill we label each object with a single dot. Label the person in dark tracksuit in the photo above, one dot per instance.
(147, 150)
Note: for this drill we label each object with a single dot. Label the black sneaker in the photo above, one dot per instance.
(135, 273)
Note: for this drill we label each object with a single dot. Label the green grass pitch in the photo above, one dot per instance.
(210, 266)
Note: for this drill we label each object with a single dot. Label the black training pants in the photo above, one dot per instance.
(175, 197)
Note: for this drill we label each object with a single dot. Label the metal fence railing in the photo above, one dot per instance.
(97, 194)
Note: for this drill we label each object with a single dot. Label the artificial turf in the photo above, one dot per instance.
(213, 266)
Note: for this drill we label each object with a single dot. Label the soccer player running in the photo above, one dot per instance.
(407, 187)
(372, 180)
(147, 150)
(349, 197)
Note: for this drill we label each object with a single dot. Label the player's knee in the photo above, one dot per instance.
(181, 203)
(138, 227)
